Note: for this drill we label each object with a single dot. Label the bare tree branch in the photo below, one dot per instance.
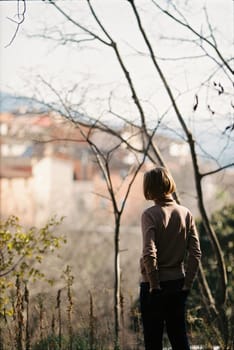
(77, 24)
(217, 170)
(21, 18)
(185, 24)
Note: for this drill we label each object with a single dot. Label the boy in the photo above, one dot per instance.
(169, 234)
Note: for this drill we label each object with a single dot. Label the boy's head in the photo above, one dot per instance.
(158, 183)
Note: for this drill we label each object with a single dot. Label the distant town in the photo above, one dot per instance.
(47, 168)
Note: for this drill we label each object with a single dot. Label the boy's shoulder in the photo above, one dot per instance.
(150, 210)
(183, 209)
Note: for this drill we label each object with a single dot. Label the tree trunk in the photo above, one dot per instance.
(117, 282)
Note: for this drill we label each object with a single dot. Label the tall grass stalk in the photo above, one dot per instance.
(27, 330)
(69, 280)
(53, 325)
(7, 328)
(19, 315)
(91, 322)
(1, 338)
(41, 311)
(58, 306)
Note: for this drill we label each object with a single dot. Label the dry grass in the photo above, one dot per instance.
(54, 322)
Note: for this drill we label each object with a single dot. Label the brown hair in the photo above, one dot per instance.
(158, 183)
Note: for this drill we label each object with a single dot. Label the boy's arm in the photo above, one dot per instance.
(194, 255)
(150, 250)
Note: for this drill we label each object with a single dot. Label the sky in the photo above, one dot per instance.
(93, 69)
(30, 54)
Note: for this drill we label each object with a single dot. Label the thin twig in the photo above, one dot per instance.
(218, 170)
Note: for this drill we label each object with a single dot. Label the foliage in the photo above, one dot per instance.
(22, 251)
(223, 223)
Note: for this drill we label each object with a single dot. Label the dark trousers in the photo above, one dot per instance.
(164, 307)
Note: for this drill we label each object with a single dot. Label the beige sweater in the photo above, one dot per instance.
(169, 235)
